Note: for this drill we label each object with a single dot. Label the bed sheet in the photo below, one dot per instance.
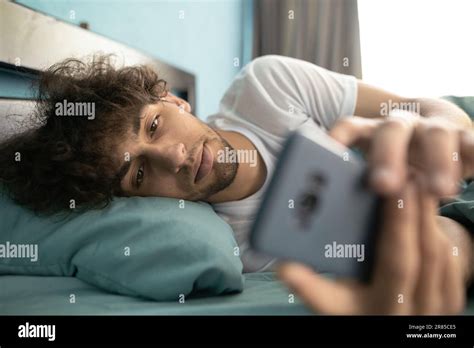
(31, 295)
(263, 294)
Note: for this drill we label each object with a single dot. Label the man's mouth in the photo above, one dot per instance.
(205, 163)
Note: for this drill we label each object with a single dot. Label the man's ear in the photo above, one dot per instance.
(178, 101)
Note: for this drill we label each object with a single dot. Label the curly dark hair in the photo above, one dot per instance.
(67, 158)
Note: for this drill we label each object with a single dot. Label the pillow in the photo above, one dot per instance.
(149, 247)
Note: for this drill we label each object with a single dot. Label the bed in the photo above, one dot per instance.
(262, 293)
(23, 36)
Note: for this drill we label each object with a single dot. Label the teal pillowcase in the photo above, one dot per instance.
(146, 247)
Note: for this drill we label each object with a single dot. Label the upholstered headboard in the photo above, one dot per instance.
(15, 117)
(31, 41)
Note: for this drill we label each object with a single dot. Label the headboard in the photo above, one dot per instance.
(15, 117)
(31, 41)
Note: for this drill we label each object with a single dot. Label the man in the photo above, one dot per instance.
(144, 141)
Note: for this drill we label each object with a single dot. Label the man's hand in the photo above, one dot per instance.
(417, 268)
(442, 151)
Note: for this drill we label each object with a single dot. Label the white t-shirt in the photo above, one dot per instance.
(271, 96)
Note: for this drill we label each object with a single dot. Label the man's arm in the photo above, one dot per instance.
(373, 102)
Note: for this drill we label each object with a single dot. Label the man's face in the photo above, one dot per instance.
(174, 155)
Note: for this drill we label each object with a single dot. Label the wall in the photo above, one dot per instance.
(203, 37)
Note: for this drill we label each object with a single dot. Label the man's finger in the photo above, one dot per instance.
(397, 257)
(428, 293)
(321, 294)
(438, 143)
(388, 155)
(354, 131)
(454, 292)
(467, 154)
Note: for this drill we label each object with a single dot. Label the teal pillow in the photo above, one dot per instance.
(147, 247)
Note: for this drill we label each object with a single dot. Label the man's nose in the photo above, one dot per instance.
(172, 157)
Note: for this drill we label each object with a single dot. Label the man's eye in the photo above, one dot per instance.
(139, 176)
(154, 125)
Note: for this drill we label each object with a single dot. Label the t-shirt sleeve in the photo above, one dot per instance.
(323, 95)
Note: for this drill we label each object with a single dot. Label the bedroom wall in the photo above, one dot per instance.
(193, 35)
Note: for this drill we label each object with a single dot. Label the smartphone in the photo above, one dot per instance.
(318, 208)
